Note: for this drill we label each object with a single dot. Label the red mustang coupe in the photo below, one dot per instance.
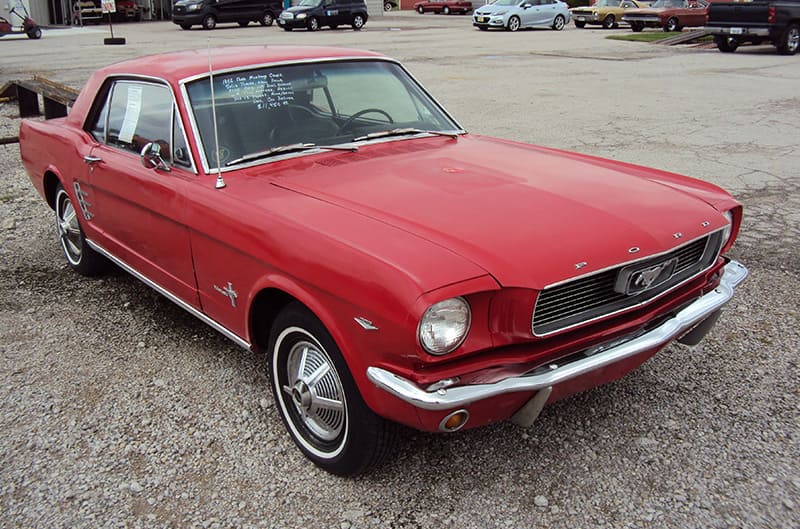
(318, 205)
(444, 7)
(670, 15)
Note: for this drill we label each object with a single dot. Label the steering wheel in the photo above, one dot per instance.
(349, 121)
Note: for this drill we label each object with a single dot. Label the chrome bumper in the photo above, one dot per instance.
(459, 396)
(740, 31)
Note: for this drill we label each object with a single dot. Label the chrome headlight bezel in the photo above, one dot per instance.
(728, 230)
(455, 315)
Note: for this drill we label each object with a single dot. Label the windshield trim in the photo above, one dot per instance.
(195, 131)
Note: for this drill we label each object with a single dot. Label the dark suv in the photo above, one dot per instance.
(313, 14)
(207, 13)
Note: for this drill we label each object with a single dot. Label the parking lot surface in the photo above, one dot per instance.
(119, 410)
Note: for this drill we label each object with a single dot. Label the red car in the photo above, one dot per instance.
(444, 7)
(317, 205)
(670, 15)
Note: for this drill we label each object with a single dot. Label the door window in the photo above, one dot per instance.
(137, 113)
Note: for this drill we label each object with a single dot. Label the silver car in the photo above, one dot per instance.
(515, 14)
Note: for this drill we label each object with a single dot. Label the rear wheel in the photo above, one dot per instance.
(609, 22)
(513, 23)
(267, 19)
(244, 23)
(209, 22)
(80, 256)
(579, 24)
(387, 6)
(287, 28)
(34, 33)
(726, 44)
(446, 10)
(318, 399)
(420, 10)
(672, 25)
(559, 22)
(186, 26)
(358, 22)
(790, 40)
(334, 26)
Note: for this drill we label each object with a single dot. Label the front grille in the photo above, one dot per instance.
(595, 296)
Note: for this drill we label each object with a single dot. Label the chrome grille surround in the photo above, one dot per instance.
(588, 298)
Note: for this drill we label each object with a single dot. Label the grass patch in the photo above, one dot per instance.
(645, 36)
(653, 36)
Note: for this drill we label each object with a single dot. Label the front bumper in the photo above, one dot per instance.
(489, 21)
(589, 18)
(292, 22)
(458, 396)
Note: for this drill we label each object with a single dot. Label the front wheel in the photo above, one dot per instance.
(672, 25)
(609, 22)
(318, 399)
(726, 44)
(513, 23)
(579, 24)
(420, 10)
(80, 256)
(244, 23)
(636, 27)
(34, 33)
(446, 10)
(559, 22)
(358, 22)
(186, 26)
(790, 40)
(312, 24)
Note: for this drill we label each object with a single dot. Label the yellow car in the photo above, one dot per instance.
(605, 12)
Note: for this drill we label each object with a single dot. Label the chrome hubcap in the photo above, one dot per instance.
(69, 231)
(794, 39)
(315, 390)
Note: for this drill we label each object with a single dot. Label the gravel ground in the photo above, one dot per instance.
(117, 409)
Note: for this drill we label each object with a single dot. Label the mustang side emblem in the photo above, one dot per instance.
(228, 292)
(81, 196)
(634, 279)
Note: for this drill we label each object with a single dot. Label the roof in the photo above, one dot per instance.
(174, 66)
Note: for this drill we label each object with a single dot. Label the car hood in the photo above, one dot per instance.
(526, 215)
(649, 11)
(298, 9)
(491, 9)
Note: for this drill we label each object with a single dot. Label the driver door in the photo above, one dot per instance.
(139, 211)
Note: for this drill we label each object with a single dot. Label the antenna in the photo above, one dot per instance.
(220, 182)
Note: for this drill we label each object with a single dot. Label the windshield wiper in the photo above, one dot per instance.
(294, 147)
(404, 132)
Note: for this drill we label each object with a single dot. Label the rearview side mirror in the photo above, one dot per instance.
(152, 159)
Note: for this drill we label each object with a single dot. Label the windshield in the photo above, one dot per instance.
(607, 3)
(310, 3)
(329, 103)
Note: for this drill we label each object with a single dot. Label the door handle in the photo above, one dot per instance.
(91, 159)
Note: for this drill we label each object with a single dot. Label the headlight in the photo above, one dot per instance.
(500, 13)
(192, 7)
(726, 233)
(444, 326)
(301, 16)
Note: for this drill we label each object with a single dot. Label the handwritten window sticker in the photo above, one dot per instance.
(132, 111)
